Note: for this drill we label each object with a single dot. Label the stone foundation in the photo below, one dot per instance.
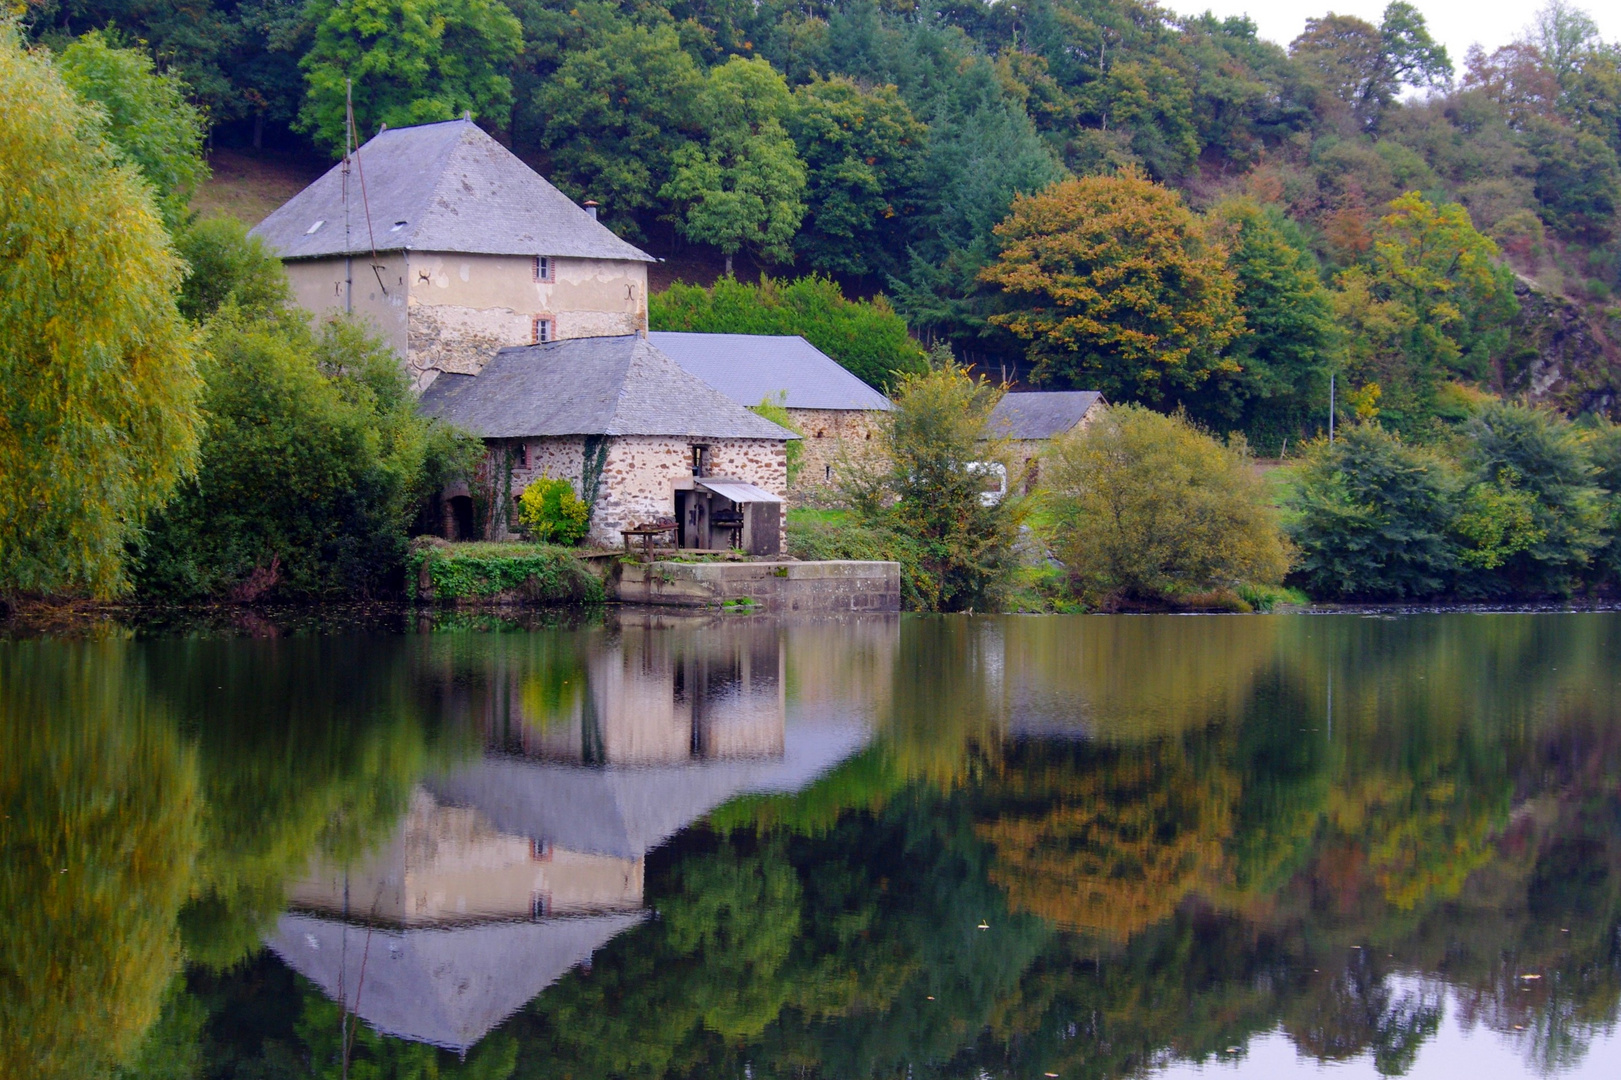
(813, 588)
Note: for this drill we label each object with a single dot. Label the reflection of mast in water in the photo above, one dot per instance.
(506, 873)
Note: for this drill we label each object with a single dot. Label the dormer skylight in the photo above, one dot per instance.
(311, 230)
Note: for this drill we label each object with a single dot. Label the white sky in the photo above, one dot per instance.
(1457, 24)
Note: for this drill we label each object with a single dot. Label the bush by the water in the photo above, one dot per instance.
(1147, 507)
(542, 573)
(551, 513)
(1521, 503)
(312, 467)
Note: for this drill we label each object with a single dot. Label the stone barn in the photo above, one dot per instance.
(642, 441)
(1030, 419)
(829, 405)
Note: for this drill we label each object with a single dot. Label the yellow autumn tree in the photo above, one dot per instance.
(1117, 287)
(98, 385)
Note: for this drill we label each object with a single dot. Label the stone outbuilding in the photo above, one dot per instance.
(1030, 419)
(641, 440)
(831, 407)
(454, 248)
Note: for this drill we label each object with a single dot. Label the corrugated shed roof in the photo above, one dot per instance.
(590, 386)
(439, 187)
(748, 368)
(1040, 414)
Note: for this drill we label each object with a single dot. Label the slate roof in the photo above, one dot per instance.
(444, 986)
(750, 367)
(590, 386)
(1040, 414)
(627, 810)
(439, 187)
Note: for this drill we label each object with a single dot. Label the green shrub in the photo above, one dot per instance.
(1148, 507)
(1372, 517)
(866, 337)
(550, 512)
(312, 467)
(1538, 459)
(227, 264)
(480, 571)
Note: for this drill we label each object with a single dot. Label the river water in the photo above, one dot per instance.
(645, 845)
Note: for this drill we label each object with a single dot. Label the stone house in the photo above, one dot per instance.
(1030, 419)
(830, 406)
(454, 249)
(639, 438)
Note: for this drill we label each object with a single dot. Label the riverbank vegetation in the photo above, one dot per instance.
(1521, 502)
(1147, 509)
(194, 435)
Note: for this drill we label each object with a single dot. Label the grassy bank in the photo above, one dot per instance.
(499, 572)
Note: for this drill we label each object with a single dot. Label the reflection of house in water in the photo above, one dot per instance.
(507, 872)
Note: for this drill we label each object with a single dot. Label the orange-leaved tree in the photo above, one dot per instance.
(1118, 287)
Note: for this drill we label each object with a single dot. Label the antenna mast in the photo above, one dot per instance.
(348, 259)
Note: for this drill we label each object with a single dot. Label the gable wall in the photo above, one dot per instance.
(318, 287)
(827, 434)
(462, 308)
(642, 472)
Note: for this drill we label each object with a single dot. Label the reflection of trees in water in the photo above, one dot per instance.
(1108, 841)
(1222, 848)
(100, 830)
(179, 784)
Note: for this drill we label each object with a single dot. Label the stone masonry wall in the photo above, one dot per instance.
(641, 472)
(826, 432)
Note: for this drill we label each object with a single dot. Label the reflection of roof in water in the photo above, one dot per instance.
(448, 987)
(626, 811)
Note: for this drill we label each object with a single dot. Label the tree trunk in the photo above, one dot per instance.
(728, 264)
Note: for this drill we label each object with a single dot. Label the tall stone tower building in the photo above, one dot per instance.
(455, 249)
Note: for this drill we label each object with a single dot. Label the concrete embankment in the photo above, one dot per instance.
(817, 588)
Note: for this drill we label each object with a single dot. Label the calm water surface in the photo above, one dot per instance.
(651, 846)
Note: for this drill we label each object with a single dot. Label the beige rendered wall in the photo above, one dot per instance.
(319, 286)
(462, 308)
(448, 863)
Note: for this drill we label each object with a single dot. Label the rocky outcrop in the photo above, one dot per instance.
(1560, 354)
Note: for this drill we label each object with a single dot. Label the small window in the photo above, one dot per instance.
(544, 330)
(544, 268)
(520, 456)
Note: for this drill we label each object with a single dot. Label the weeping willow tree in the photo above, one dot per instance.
(98, 385)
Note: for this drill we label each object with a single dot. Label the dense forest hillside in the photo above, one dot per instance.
(1358, 202)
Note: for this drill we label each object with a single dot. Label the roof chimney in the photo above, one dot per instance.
(591, 208)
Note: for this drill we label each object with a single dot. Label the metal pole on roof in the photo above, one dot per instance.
(348, 258)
